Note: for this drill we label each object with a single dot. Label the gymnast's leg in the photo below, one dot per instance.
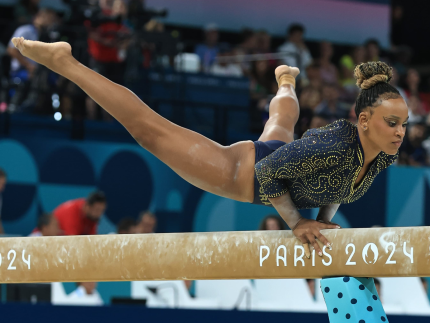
(283, 115)
(225, 171)
(284, 107)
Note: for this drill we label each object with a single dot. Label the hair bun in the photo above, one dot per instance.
(371, 73)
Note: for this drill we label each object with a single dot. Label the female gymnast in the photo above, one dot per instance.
(326, 167)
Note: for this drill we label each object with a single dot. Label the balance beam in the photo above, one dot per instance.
(379, 252)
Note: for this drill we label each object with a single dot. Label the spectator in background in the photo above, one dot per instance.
(223, 67)
(146, 223)
(3, 180)
(263, 88)
(402, 58)
(151, 52)
(314, 79)
(261, 79)
(87, 293)
(298, 54)
(330, 107)
(208, 51)
(413, 82)
(44, 18)
(263, 42)
(108, 40)
(248, 42)
(272, 222)
(348, 64)
(395, 82)
(47, 225)
(264, 46)
(259, 107)
(318, 121)
(416, 110)
(310, 98)
(247, 46)
(25, 10)
(303, 123)
(126, 226)
(329, 73)
(81, 216)
(22, 69)
(372, 50)
(412, 151)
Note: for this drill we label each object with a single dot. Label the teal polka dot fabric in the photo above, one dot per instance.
(350, 299)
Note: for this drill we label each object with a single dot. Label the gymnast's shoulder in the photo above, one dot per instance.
(342, 129)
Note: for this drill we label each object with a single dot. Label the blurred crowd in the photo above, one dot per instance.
(326, 86)
(82, 217)
(118, 37)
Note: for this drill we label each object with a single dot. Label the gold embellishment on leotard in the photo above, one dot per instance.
(320, 168)
(263, 197)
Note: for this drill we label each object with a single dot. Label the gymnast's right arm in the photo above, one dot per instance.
(306, 230)
(300, 158)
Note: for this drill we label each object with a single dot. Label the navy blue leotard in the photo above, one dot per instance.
(319, 169)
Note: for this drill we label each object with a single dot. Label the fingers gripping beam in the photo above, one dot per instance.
(379, 252)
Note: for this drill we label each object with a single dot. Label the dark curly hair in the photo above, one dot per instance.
(373, 79)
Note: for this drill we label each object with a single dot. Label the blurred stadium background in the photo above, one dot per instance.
(207, 66)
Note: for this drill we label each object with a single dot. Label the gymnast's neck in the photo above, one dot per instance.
(370, 149)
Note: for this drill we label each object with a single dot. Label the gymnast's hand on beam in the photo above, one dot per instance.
(308, 231)
(329, 222)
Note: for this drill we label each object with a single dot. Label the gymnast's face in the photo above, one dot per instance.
(386, 126)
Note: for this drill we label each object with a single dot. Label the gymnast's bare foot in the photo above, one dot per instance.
(52, 55)
(285, 69)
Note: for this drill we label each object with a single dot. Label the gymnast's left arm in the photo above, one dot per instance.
(327, 212)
